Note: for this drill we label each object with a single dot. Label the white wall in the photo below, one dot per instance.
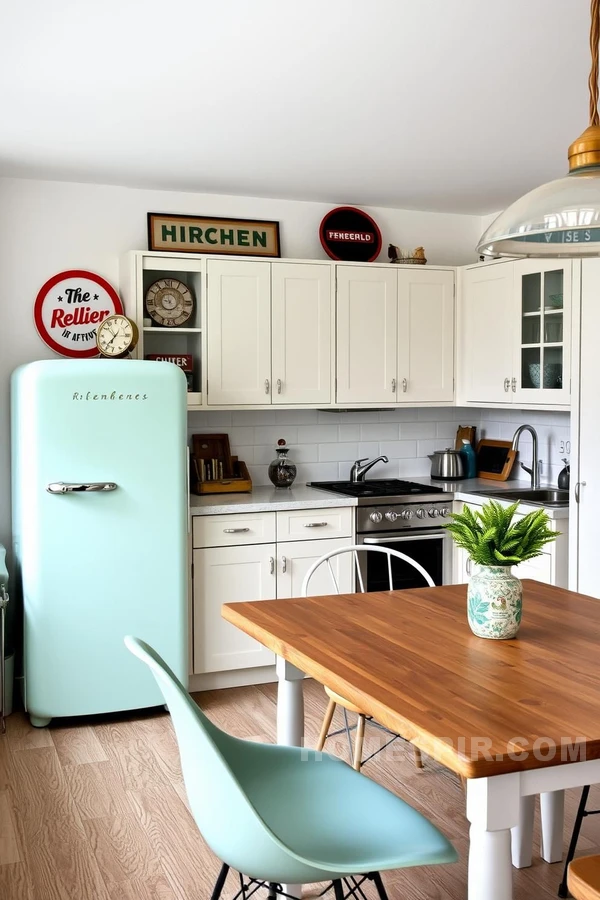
(324, 445)
(46, 227)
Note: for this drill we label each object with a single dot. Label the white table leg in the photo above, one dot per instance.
(522, 836)
(552, 810)
(290, 721)
(493, 806)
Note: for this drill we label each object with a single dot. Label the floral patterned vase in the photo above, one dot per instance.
(494, 603)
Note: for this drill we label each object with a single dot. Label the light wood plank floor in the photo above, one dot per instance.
(95, 809)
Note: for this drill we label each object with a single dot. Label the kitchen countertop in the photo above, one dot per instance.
(269, 499)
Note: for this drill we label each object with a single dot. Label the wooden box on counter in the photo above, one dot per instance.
(214, 469)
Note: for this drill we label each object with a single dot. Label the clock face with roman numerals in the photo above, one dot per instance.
(169, 302)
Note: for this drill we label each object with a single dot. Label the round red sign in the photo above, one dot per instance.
(350, 234)
(69, 308)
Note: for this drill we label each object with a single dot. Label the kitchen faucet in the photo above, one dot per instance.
(534, 471)
(358, 472)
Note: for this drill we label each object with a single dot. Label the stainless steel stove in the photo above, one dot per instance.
(406, 516)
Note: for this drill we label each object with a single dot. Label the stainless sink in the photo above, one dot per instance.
(539, 497)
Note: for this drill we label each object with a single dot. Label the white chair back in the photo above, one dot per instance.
(355, 549)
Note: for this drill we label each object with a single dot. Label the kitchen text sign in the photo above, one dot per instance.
(69, 308)
(202, 234)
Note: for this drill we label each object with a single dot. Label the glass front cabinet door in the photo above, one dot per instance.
(542, 365)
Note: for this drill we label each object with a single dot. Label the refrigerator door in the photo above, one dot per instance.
(97, 564)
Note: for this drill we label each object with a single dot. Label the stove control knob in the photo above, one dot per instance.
(391, 516)
(445, 511)
(407, 514)
(421, 514)
(433, 513)
(376, 517)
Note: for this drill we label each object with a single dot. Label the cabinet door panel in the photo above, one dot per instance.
(301, 298)
(367, 313)
(425, 336)
(487, 329)
(239, 332)
(294, 559)
(542, 336)
(229, 575)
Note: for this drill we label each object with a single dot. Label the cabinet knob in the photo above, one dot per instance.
(507, 384)
(404, 385)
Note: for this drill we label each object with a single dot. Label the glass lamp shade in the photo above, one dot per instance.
(560, 218)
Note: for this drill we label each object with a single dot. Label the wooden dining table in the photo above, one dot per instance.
(516, 718)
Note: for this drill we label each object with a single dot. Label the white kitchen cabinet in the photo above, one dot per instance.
(585, 467)
(236, 558)
(395, 335)
(515, 333)
(367, 319)
(551, 567)
(239, 332)
(542, 335)
(425, 336)
(485, 333)
(294, 559)
(301, 333)
(230, 575)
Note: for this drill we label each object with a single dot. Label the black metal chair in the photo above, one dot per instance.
(582, 812)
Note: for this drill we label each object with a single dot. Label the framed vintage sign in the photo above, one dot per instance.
(350, 234)
(68, 309)
(209, 234)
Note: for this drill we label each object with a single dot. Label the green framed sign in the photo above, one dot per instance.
(210, 234)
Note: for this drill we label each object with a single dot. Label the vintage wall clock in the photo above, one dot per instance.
(116, 336)
(169, 302)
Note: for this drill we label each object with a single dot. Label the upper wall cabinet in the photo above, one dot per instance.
(395, 335)
(515, 333)
(269, 333)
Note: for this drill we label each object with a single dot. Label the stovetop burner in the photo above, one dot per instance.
(377, 487)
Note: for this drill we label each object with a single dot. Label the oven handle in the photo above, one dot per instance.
(398, 540)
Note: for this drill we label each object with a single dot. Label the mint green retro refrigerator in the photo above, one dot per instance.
(100, 523)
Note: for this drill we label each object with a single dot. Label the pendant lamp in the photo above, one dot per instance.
(561, 218)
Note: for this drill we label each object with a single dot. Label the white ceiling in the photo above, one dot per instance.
(450, 105)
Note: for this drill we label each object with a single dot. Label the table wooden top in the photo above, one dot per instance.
(408, 658)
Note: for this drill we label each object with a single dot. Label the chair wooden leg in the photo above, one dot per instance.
(326, 723)
(417, 757)
(358, 743)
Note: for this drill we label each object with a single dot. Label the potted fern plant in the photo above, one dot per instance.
(495, 544)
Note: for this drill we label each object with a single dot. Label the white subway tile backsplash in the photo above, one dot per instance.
(379, 432)
(323, 445)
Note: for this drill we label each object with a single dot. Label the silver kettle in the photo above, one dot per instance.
(447, 464)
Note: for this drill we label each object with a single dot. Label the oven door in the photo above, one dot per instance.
(431, 548)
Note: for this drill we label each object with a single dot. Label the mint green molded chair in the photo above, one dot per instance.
(288, 815)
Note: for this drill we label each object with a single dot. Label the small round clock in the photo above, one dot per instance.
(116, 336)
(169, 302)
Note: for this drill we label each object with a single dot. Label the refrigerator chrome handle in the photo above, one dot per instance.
(62, 487)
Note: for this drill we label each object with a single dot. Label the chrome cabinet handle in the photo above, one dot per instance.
(63, 487)
(284, 564)
(506, 385)
(234, 530)
(469, 565)
(314, 524)
(578, 487)
(279, 385)
(393, 385)
(404, 385)
(271, 565)
(514, 385)
(267, 385)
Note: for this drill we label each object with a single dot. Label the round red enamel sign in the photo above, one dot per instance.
(69, 308)
(347, 233)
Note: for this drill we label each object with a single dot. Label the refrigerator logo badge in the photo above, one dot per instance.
(114, 395)
(68, 309)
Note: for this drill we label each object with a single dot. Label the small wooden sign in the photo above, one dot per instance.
(208, 234)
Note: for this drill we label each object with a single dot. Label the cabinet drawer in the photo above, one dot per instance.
(232, 530)
(314, 524)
